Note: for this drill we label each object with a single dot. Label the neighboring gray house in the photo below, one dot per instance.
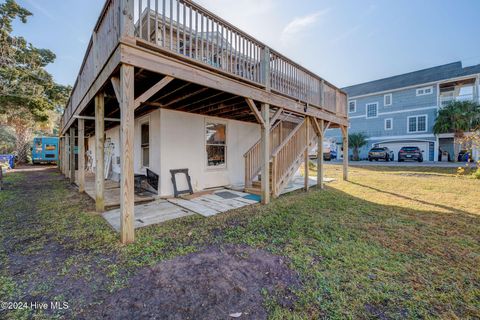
(401, 110)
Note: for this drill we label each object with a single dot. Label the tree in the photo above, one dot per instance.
(356, 141)
(458, 117)
(28, 93)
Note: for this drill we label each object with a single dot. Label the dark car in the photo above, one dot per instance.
(464, 156)
(410, 153)
(380, 153)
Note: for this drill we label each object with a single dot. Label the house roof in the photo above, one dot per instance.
(446, 71)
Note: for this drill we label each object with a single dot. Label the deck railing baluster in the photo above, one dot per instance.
(184, 25)
(171, 25)
(147, 15)
(191, 35)
(140, 19)
(163, 24)
(202, 58)
(156, 22)
(196, 34)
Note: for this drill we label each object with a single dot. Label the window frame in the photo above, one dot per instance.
(366, 110)
(141, 124)
(354, 106)
(418, 94)
(215, 121)
(385, 99)
(416, 123)
(385, 124)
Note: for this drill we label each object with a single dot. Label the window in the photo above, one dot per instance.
(216, 144)
(389, 124)
(424, 91)
(417, 123)
(387, 99)
(372, 110)
(352, 106)
(145, 128)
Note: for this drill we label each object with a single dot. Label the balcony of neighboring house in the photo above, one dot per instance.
(461, 90)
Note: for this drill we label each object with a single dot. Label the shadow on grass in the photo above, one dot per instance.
(440, 206)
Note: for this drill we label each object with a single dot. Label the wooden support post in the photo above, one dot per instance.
(265, 68)
(60, 154)
(127, 110)
(66, 155)
(127, 27)
(305, 154)
(265, 154)
(320, 173)
(345, 152)
(72, 155)
(99, 152)
(81, 155)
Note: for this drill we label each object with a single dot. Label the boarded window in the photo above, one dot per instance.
(216, 144)
(145, 145)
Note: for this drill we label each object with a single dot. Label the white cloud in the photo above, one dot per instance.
(41, 9)
(301, 24)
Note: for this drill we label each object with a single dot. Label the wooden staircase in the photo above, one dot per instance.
(287, 152)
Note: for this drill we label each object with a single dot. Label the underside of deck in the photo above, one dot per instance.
(176, 55)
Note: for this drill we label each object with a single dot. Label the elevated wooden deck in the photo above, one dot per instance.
(174, 54)
(214, 66)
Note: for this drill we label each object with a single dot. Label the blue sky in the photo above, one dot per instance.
(346, 42)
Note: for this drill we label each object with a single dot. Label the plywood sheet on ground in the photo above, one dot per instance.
(211, 204)
(149, 213)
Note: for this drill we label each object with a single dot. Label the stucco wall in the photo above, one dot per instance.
(177, 140)
(182, 137)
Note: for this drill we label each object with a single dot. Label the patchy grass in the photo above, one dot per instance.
(392, 243)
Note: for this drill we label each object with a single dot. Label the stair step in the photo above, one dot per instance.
(252, 190)
(257, 184)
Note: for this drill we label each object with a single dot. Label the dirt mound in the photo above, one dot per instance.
(212, 284)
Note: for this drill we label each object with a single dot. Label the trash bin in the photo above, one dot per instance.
(8, 158)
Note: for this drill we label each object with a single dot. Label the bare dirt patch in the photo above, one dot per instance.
(212, 284)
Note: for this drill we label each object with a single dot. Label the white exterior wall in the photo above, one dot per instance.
(183, 146)
(177, 141)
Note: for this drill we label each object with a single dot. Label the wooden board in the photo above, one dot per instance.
(148, 214)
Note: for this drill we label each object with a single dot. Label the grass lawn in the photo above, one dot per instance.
(392, 243)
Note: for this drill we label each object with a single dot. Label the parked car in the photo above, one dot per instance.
(380, 153)
(328, 154)
(410, 153)
(464, 156)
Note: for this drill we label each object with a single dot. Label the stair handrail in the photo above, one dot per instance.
(259, 141)
(278, 178)
(287, 138)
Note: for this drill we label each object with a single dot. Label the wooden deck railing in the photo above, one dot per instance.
(185, 28)
(108, 30)
(190, 30)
